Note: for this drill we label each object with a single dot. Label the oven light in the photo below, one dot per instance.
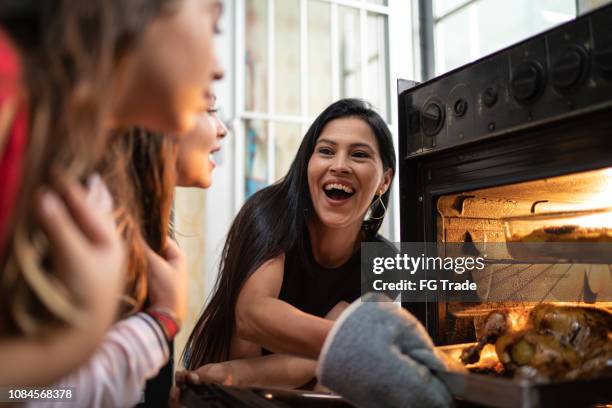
(603, 196)
(599, 220)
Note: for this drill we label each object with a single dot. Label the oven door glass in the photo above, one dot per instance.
(568, 208)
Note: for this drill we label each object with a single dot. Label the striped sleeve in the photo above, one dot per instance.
(133, 351)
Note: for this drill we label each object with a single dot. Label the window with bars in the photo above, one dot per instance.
(465, 30)
(297, 57)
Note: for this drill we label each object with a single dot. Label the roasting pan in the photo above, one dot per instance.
(568, 237)
(504, 392)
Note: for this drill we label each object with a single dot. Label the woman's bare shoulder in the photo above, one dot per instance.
(271, 270)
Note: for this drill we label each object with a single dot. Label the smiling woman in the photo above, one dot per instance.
(291, 261)
(195, 162)
(345, 172)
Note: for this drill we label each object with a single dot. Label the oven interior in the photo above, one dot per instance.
(481, 216)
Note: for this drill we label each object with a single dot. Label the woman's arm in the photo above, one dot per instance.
(275, 370)
(33, 361)
(264, 319)
(133, 351)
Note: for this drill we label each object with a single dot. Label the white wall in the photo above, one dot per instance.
(403, 33)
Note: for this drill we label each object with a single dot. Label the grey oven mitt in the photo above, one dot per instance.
(379, 355)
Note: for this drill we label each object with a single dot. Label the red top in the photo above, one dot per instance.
(13, 132)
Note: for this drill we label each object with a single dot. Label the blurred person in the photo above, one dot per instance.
(193, 165)
(83, 68)
(81, 237)
(291, 261)
(141, 169)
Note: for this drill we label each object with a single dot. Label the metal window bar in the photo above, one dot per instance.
(304, 77)
(270, 168)
(271, 116)
(426, 35)
(335, 52)
(239, 91)
(363, 51)
(360, 4)
(455, 10)
(508, 279)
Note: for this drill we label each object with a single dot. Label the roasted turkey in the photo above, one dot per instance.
(555, 343)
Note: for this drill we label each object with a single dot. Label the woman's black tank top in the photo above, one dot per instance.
(315, 289)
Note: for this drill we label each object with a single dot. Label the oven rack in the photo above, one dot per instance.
(522, 281)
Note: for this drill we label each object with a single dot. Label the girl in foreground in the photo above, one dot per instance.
(291, 261)
(142, 169)
(87, 67)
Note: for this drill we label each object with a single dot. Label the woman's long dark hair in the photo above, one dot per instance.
(272, 222)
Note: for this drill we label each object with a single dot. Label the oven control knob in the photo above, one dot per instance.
(489, 97)
(527, 80)
(460, 108)
(568, 68)
(432, 118)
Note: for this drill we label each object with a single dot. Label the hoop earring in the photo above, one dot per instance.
(379, 199)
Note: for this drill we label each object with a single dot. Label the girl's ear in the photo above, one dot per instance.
(387, 177)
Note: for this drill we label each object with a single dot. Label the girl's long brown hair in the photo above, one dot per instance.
(153, 172)
(70, 50)
(139, 168)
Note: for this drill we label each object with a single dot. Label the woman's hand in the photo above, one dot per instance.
(87, 252)
(181, 377)
(225, 373)
(220, 373)
(376, 347)
(337, 310)
(168, 280)
(88, 256)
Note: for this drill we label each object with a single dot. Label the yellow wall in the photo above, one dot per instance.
(189, 224)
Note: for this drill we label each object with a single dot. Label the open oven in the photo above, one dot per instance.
(522, 140)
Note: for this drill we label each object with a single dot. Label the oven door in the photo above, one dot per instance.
(220, 396)
(575, 144)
